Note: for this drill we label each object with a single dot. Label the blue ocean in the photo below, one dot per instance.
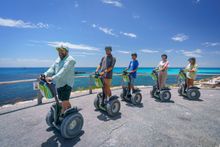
(24, 91)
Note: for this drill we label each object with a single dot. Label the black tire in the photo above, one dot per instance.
(193, 94)
(165, 96)
(152, 93)
(122, 96)
(180, 91)
(113, 107)
(136, 98)
(96, 103)
(50, 119)
(72, 125)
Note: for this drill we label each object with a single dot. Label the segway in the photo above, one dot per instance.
(112, 107)
(70, 123)
(136, 97)
(159, 93)
(191, 93)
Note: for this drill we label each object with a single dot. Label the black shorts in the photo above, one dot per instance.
(64, 92)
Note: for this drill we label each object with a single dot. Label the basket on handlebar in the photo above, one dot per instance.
(98, 80)
(45, 90)
(153, 76)
(125, 78)
(182, 75)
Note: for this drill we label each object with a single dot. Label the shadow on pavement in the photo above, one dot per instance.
(170, 101)
(198, 100)
(105, 117)
(38, 105)
(57, 140)
(134, 106)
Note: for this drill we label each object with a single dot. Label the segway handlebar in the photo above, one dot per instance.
(182, 74)
(125, 72)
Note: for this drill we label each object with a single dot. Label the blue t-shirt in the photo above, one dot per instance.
(133, 65)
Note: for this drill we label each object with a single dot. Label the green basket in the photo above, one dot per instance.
(45, 91)
(125, 78)
(153, 76)
(182, 76)
(98, 82)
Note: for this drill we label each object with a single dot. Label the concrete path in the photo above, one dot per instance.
(177, 123)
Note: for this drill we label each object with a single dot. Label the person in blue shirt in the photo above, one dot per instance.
(132, 69)
(62, 74)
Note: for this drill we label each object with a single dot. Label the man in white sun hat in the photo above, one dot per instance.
(62, 74)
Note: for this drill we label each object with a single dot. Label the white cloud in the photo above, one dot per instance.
(180, 37)
(123, 52)
(107, 31)
(84, 21)
(25, 62)
(76, 4)
(73, 46)
(116, 3)
(169, 50)
(211, 44)
(194, 53)
(149, 51)
(94, 25)
(196, 1)
(135, 16)
(84, 53)
(132, 35)
(5, 22)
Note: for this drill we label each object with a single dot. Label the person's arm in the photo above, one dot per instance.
(111, 67)
(67, 66)
(99, 66)
(165, 66)
(194, 69)
(51, 71)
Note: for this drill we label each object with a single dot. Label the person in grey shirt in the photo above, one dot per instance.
(106, 65)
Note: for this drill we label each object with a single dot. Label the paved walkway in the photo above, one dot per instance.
(178, 123)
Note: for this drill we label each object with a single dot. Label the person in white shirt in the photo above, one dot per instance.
(163, 67)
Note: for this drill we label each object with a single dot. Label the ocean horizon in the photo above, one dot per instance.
(24, 91)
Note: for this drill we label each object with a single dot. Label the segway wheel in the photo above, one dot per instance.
(49, 119)
(96, 103)
(152, 93)
(72, 125)
(165, 96)
(136, 98)
(113, 107)
(180, 90)
(193, 94)
(122, 96)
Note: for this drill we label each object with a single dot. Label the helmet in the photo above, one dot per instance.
(134, 54)
(108, 48)
(192, 59)
(164, 55)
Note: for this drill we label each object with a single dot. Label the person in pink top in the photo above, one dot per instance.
(163, 68)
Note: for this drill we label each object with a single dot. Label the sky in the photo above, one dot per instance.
(31, 29)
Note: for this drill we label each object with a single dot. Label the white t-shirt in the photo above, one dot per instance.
(163, 64)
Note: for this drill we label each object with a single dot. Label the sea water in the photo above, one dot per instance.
(24, 91)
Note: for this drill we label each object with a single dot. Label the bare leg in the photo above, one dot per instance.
(107, 87)
(190, 83)
(65, 105)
